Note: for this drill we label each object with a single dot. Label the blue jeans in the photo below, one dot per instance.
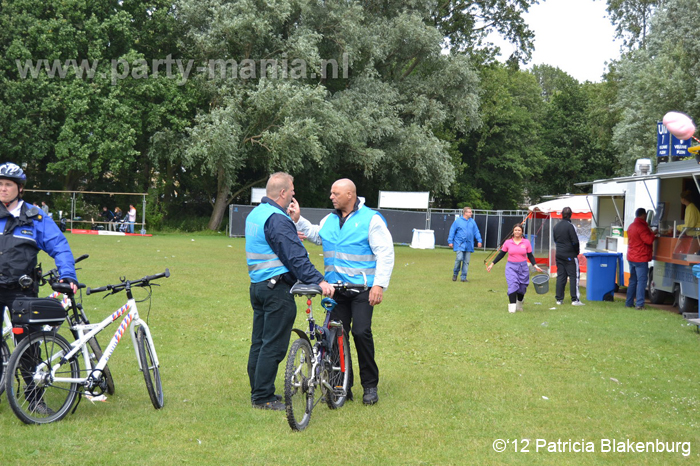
(639, 272)
(462, 258)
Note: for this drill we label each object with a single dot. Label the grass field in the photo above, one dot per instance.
(457, 373)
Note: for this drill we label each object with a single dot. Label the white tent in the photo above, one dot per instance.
(578, 204)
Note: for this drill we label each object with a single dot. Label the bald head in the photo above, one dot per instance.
(344, 195)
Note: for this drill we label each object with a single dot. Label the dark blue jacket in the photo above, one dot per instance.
(21, 239)
(281, 235)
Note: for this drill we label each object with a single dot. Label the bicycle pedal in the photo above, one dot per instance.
(92, 398)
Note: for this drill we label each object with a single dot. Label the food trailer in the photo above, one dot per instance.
(676, 249)
(613, 206)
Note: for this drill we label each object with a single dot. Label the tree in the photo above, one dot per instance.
(632, 19)
(80, 102)
(501, 155)
(372, 120)
(466, 26)
(657, 79)
(576, 126)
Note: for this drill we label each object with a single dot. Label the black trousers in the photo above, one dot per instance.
(274, 311)
(567, 268)
(29, 360)
(354, 311)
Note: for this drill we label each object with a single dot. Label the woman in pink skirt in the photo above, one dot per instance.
(519, 250)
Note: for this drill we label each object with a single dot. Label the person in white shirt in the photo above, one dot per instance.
(358, 249)
(131, 218)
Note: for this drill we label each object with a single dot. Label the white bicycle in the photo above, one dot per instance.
(44, 376)
(8, 341)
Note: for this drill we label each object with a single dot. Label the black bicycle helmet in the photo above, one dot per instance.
(10, 171)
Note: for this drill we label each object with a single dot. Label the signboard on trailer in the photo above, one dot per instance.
(404, 200)
(667, 144)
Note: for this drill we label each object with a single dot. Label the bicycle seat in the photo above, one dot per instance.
(303, 289)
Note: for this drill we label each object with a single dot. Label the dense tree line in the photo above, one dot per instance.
(197, 101)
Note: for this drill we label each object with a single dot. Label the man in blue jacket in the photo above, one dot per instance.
(461, 239)
(276, 260)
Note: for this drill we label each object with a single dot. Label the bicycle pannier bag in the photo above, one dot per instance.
(38, 311)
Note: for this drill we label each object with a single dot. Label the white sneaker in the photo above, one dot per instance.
(558, 303)
(577, 303)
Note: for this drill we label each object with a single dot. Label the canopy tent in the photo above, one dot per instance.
(579, 206)
(543, 217)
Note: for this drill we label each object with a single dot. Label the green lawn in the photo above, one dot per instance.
(457, 373)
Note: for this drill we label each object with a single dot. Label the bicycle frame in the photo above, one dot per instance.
(315, 333)
(131, 320)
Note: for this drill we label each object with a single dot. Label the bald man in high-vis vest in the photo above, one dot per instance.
(358, 249)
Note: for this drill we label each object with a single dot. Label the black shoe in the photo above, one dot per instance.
(349, 396)
(370, 397)
(454, 278)
(277, 398)
(40, 408)
(464, 280)
(274, 405)
(640, 308)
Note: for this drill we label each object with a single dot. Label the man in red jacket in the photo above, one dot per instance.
(639, 248)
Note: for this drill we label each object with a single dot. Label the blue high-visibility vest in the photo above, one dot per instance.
(263, 263)
(346, 252)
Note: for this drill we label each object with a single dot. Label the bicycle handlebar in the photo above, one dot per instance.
(145, 281)
(349, 286)
(65, 288)
(303, 289)
(52, 276)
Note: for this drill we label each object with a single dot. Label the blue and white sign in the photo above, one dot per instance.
(667, 144)
(662, 140)
(679, 147)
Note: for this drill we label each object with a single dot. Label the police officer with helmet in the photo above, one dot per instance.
(25, 231)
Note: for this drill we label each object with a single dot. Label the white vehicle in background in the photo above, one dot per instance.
(614, 202)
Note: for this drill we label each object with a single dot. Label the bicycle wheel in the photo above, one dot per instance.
(298, 395)
(151, 372)
(4, 359)
(338, 373)
(32, 391)
(95, 356)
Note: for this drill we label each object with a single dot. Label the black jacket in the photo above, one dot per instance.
(566, 239)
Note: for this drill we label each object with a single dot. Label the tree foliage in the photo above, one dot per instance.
(657, 79)
(372, 120)
(632, 19)
(195, 101)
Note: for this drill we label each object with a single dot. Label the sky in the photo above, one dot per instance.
(573, 35)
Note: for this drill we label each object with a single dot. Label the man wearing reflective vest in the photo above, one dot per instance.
(276, 259)
(358, 249)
